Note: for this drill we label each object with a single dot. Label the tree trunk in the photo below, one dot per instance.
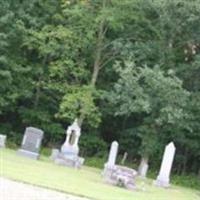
(99, 46)
(80, 120)
(98, 57)
(38, 87)
(37, 94)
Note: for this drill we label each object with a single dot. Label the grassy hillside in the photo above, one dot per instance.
(86, 182)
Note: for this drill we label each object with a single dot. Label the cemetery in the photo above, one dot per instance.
(62, 171)
(100, 100)
(86, 182)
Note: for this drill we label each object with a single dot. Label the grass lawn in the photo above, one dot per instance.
(86, 182)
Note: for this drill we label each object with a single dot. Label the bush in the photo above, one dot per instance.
(11, 145)
(92, 146)
(14, 140)
(95, 162)
(191, 181)
(46, 151)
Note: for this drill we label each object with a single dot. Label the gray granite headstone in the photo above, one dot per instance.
(31, 143)
(124, 158)
(2, 141)
(143, 168)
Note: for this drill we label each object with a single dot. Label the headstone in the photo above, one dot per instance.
(124, 177)
(163, 178)
(116, 174)
(54, 154)
(143, 168)
(70, 146)
(31, 143)
(70, 150)
(113, 154)
(109, 166)
(2, 141)
(124, 158)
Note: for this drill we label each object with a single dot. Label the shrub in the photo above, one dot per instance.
(46, 151)
(95, 162)
(191, 181)
(92, 146)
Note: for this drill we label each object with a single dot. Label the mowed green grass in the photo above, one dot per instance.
(86, 182)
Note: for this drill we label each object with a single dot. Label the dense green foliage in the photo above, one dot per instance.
(128, 70)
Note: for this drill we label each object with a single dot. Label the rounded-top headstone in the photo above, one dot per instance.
(113, 153)
(115, 143)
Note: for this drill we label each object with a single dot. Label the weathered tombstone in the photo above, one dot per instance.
(113, 154)
(116, 174)
(70, 145)
(163, 178)
(31, 143)
(143, 168)
(2, 141)
(110, 165)
(124, 158)
(70, 150)
(124, 177)
(54, 154)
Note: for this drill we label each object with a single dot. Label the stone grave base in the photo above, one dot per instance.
(28, 154)
(120, 176)
(75, 162)
(69, 161)
(160, 183)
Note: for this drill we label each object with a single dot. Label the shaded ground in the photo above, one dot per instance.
(12, 190)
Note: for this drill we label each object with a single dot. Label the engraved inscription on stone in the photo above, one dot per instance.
(32, 139)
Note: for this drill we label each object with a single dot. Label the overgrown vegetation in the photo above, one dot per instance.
(128, 70)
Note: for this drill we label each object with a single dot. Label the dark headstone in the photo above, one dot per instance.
(31, 143)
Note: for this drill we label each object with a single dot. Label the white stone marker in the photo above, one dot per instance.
(71, 143)
(113, 154)
(143, 170)
(124, 158)
(110, 165)
(2, 141)
(163, 178)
